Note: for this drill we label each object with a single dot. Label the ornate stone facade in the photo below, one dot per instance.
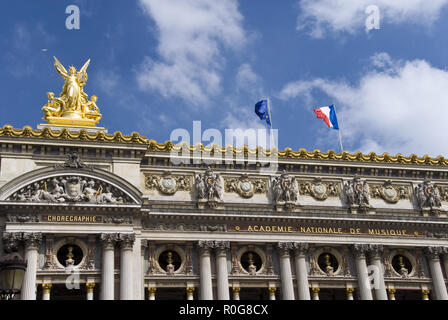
(123, 215)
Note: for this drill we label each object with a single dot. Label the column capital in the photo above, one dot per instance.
(205, 246)
(300, 248)
(359, 250)
(32, 240)
(433, 252)
(126, 240)
(272, 291)
(375, 250)
(190, 291)
(11, 241)
(350, 292)
(221, 246)
(236, 291)
(108, 240)
(90, 286)
(315, 291)
(391, 293)
(284, 248)
(152, 291)
(425, 294)
(46, 287)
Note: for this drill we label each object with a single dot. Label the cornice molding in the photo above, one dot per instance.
(152, 145)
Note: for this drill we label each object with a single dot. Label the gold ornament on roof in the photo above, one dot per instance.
(72, 107)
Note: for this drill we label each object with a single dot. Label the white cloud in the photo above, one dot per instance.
(107, 80)
(191, 34)
(349, 15)
(400, 109)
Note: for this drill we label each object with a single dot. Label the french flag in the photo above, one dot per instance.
(328, 114)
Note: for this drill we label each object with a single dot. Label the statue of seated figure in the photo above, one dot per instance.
(91, 110)
(54, 106)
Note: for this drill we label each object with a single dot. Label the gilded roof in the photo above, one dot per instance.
(118, 137)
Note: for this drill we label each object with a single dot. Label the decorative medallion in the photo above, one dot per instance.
(167, 183)
(244, 186)
(320, 190)
(390, 193)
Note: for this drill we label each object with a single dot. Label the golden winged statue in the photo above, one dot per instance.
(72, 107)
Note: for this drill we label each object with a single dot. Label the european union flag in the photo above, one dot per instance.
(261, 109)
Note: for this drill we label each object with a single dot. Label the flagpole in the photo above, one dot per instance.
(269, 110)
(339, 130)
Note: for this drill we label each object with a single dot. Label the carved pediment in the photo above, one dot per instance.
(71, 189)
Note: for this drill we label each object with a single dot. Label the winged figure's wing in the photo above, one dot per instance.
(83, 71)
(60, 68)
(84, 67)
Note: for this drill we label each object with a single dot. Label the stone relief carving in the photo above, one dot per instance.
(320, 190)
(22, 217)
(357, 193)
(285, 190)
(152, 260)
(443, 193)
(428, 195)
(89, 263)
(167, 183)
(189, 259)
(269, 264)
(209, 187)
(418, 264)
(389, 192)
(73, 161)
(161, 226)
(120, 219)
(72, 189)
(244, 186)
(235, 264)
(213, 227)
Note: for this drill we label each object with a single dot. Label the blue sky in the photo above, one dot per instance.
(158, 65)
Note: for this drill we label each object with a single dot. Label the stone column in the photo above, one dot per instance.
(205, 270)
(222, 278)
(361, 269)
(350, 293)
(272, 293)
(425, 294)
(301, 271)
(126, 241)
(46, 289)
(152, 293)
(33, 241)
(315, 291)
(190, 291)
(445, 260)
(89, 287)
(376, 254)
(107, 266)
(391, 293)
(236, 293)
(285, 270)
(439, 287)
